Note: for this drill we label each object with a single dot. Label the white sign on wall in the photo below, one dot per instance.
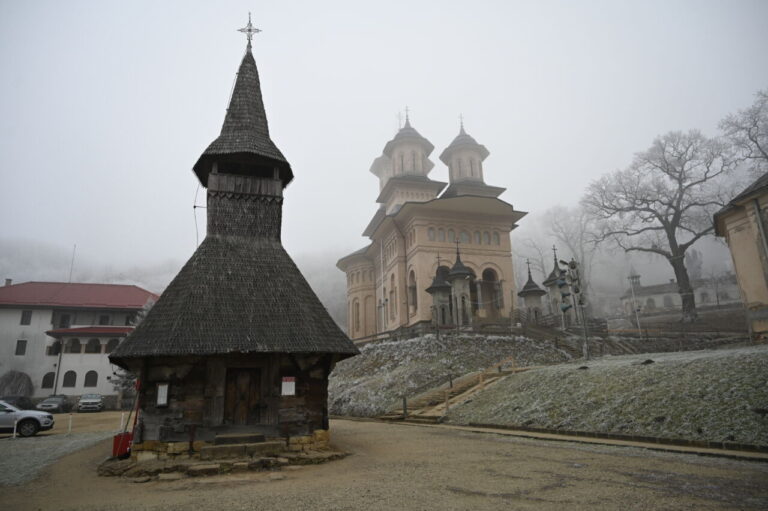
(289, 386)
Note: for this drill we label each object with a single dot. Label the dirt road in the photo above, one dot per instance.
(409, 467)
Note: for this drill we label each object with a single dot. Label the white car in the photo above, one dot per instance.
(28, 422)
(90, 402)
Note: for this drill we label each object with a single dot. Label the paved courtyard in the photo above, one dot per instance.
(410, 467)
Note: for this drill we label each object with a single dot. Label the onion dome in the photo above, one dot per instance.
(408, 134)
(463, 141)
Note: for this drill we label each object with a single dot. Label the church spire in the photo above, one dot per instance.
(244, 146)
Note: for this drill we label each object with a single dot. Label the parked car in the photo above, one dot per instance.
(55, 404)
(20, 402)
(28, 422)
(90, 403)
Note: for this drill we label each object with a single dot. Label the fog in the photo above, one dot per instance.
(105, 107)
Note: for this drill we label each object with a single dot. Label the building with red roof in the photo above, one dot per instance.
(61, 333)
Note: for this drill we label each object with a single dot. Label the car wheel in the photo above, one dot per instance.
(27, 427)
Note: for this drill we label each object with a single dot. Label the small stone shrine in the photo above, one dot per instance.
(238, 343)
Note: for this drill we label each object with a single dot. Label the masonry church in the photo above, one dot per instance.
(439, 252)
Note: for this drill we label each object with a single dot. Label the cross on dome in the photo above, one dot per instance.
(249, 30)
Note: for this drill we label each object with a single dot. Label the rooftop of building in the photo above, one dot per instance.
(75, 295)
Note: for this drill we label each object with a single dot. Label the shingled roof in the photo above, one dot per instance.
(236, 295)
(245, 134)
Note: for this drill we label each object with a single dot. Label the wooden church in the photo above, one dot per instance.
(238, 342)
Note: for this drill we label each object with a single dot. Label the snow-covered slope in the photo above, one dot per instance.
(374, 382)
(715, 395)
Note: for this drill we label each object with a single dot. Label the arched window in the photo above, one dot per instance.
(486, 238)
(392, 297)
(91, 378)
(496, 238)
(111, 345)
(74, 346)
(70, 379)
(451, 235)
(356, 313)
(668, 301)
(472, 167)
(93, 346)
(48, 380)
(478, 239)
(650, 303)
(464, 237)
(440, 235)
(431, 234)
(412, 291)
(402, 163)
(413, 161)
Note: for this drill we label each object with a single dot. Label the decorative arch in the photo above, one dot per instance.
(464, 237)
(496, 238)
(93, 346)
(111, 345)
(486, 238)
(431, 234)
(440, 234)
(74, 346)
(478, 238)
(451, 235)
(91, 379)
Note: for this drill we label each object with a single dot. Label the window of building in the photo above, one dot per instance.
(48, 380)
(451, 235)
(104, 319)
(496, 238)
(486, 238)
(91, 378)
(26, 317)
(70, 379)
(440, 235)
(21, 347)
(74, 346)
(650, 303)
(65, 321)
(93, 346)
(412, 290)
(465, 237)
(129, 318)
(111, 345)
(478, 239)
(54, 349)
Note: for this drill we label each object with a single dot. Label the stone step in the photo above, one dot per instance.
(239, 438)
(423, 419)
(216, 452)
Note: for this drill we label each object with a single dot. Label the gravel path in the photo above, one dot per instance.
(410, 467)
(22, 458)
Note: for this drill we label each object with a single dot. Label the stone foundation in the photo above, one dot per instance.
(152, 450)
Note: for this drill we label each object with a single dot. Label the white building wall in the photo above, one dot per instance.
(36, 363)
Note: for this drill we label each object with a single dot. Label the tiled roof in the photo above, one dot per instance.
(70, 294)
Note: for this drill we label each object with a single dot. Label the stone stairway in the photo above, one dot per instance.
(241, 445)
(429, 407)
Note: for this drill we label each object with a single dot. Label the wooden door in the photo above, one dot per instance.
(242, 398)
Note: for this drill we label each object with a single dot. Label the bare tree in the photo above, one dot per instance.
(748, 131)
(663, 202)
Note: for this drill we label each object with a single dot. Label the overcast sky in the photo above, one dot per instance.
(105, 106)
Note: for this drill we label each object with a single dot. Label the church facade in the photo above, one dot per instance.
(416, 234)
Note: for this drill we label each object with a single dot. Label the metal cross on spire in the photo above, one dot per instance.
(407, 116)
(461, 121)
(249, 30)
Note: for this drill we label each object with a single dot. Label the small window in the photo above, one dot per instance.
(111, 345)
(21, 347)
(486, 238)
(70, 379)
(91, 378)
(496, 238)
(26, 317)
(65, 320)
(478, 239)
(104, 319)
(440, 235)
(48, 380)
(162, 394)
(451, 235)
(288, 387)
(464, 237)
